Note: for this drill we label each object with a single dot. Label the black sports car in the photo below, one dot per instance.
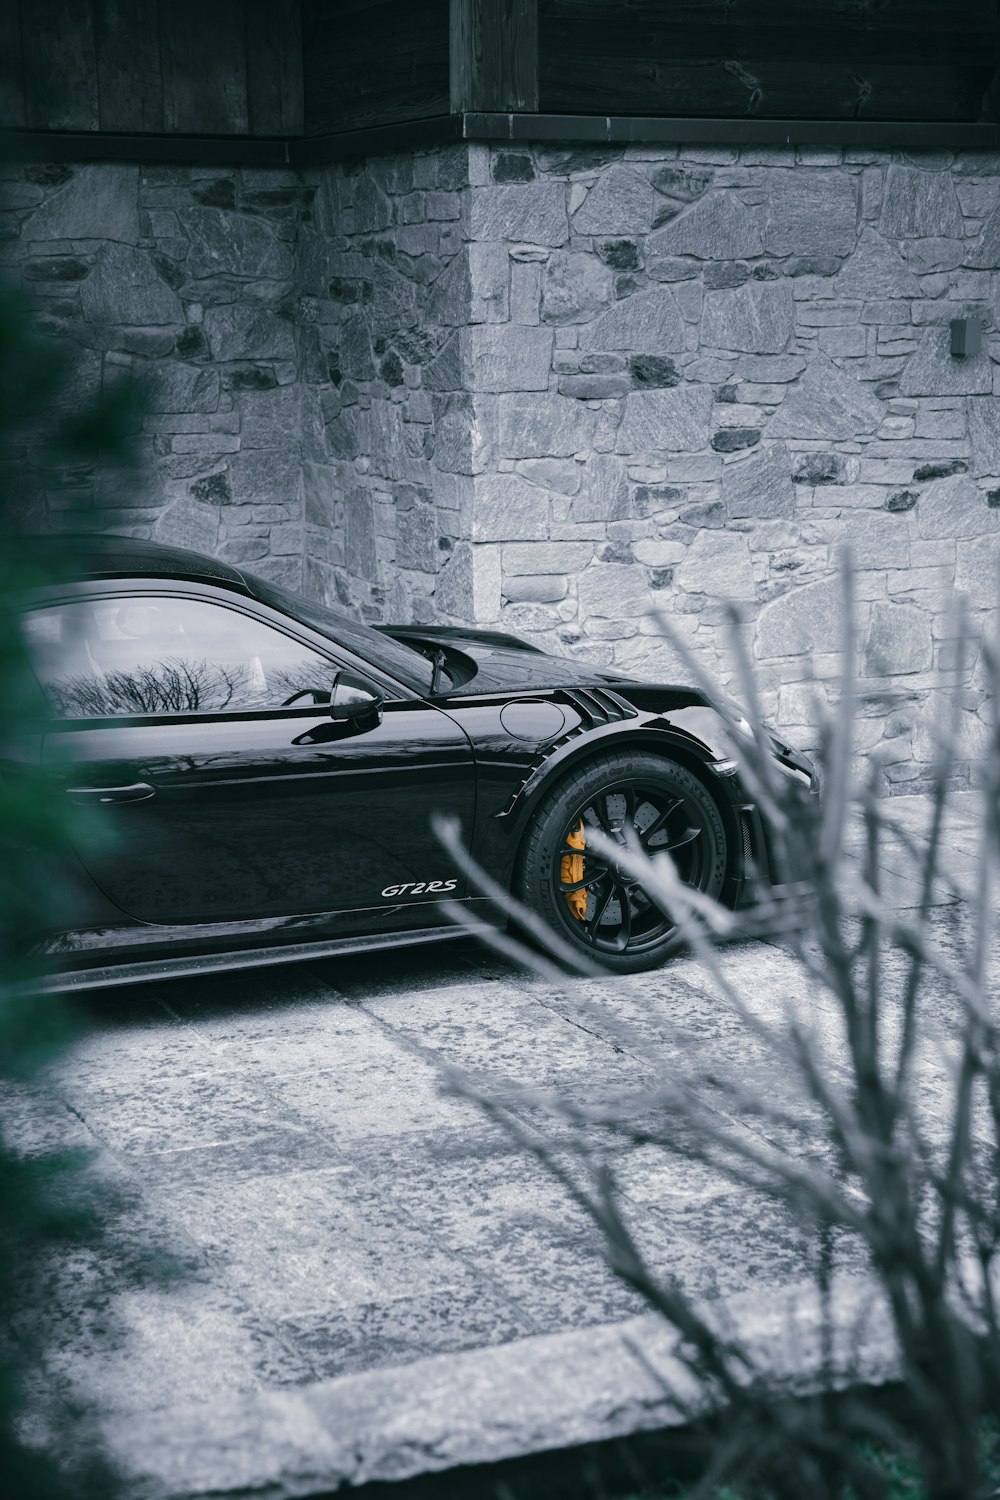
(266, 771)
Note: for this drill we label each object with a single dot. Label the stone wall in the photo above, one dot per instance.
(187, 280)
(706, 372)
(297, 338)
(394, 285)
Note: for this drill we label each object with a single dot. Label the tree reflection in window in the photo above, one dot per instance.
(166, 687)
(110, 659)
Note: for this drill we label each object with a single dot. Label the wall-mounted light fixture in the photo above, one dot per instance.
(966, 336)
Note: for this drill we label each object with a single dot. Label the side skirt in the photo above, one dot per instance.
(72, 981)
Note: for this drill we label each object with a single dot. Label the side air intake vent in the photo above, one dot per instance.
(599, 706)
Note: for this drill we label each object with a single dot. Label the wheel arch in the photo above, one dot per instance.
(683, 749)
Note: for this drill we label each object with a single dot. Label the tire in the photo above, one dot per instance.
(605, 914)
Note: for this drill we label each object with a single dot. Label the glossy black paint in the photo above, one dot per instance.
(276, 815)
(232, 836)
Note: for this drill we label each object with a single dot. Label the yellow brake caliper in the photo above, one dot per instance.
(571, 870)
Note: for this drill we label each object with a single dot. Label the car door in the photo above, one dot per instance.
(214, 798)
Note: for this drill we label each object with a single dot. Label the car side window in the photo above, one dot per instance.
(161, 654)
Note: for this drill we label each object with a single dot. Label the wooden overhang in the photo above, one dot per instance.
(257, 82)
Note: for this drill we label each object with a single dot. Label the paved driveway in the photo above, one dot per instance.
(319, 1206)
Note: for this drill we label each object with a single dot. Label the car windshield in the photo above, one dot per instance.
(405, 662)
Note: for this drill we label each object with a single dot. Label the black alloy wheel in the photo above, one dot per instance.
(587, 895)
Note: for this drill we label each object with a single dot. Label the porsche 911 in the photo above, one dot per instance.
(263, 774)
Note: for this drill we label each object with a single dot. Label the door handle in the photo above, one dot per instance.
(137, 791)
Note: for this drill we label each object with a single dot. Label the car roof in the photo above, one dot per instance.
(103, 556)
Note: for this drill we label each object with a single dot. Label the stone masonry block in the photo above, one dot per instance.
(546, 557)
(240, 331)
(544, 426)
(265, 474)
(673, 420)
(875, 270)
(828, 314)
(898, 640)
(574, 287)
(613, 591)
(810, 213)
(946, 425)
(770, 369)
(188, 523)
(759, 486)
(234, 244)
(525, 292)
(955, 507)
(271, 419)
(372, 209)
(417, 539)
(394, 299)
(936, 253)
(604, 494)
(594, 387)
(984, 432)
(506, 357)
(756, 317)
(647, 322)
(877, 539)
(540, 589)
(172, 386)
(489, 273)
(719, 227)
(842, 342)
(986, 253)
(827, 403)
(452, 365)
(320, 493)
(125, 287)
(562, 475)
(450, 300)
(919, 204)
(718, 564)
(360, 556)
(934, 371)
(977, 571)
(806, 619)
(507, 508)
(531, 212)
(98, 202)
(620, 202)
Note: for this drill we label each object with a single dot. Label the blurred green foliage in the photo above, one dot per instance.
(900, 1475)
(43, 1198)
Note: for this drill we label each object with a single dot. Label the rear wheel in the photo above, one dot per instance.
(588, 897)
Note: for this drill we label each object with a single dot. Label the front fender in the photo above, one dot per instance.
(700, 753)
(694, 735)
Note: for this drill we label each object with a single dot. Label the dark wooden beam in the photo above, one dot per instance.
(369, 63)
(203, 48)
(506, 126)
(274, 67)
(761, 86)
(494, 55)
(780, 58)
(669, 18)
(129, 72)
(60, 69)
(12, 110)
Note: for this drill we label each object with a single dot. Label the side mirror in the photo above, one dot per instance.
(353, 697)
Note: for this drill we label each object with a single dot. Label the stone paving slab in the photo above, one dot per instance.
(331, 1211)
(487, 1405)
